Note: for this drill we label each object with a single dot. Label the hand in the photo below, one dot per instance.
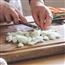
(42, 15)
(8, 13)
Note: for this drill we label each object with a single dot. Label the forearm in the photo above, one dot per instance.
(35, 1)
(2, 1)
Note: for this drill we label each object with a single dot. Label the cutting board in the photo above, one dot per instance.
(11, 53)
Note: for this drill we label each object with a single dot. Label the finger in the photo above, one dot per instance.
(7, 17)
(21, 17)
(48, 22)
(15, 17)
(36, 18)
(47, 18)
(48, 12)
(42, 20)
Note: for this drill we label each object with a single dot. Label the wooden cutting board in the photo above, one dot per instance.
(10, 51)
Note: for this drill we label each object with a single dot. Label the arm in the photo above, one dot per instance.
(41, 13)
(9, 13)
(34, 2)
(1, 0)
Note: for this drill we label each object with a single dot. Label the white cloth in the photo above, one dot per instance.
(16, 3)
(22, 5)
(2, 62)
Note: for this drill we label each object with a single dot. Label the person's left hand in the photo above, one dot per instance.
(42, 15)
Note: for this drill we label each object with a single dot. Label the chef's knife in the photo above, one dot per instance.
(26, 24)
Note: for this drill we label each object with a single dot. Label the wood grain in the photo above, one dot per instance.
(51, 60)
(9, 51)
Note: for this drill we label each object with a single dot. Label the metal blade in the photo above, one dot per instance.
(26, 24)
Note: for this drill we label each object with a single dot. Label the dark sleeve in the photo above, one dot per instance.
(6, 0)
(29, 1)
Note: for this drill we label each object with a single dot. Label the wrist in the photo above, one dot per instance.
(34, 3)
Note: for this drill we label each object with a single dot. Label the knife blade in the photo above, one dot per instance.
(26, 24)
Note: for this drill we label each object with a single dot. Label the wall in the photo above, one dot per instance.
(54, 3)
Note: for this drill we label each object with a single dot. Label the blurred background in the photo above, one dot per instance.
(53, 3)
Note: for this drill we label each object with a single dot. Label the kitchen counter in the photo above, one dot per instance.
(49, 60)
(52, 60)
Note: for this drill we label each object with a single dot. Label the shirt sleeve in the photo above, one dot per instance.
(29, 1)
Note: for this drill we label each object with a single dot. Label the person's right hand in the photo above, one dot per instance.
(8, 13)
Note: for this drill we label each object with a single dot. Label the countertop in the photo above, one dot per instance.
(51, 60)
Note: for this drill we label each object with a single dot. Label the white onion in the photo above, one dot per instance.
(35, 33)
(46, 38)
(32, 37)
(9, 38)
(14, 40)
(22, 39)
(36, 40)
(20, 45)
